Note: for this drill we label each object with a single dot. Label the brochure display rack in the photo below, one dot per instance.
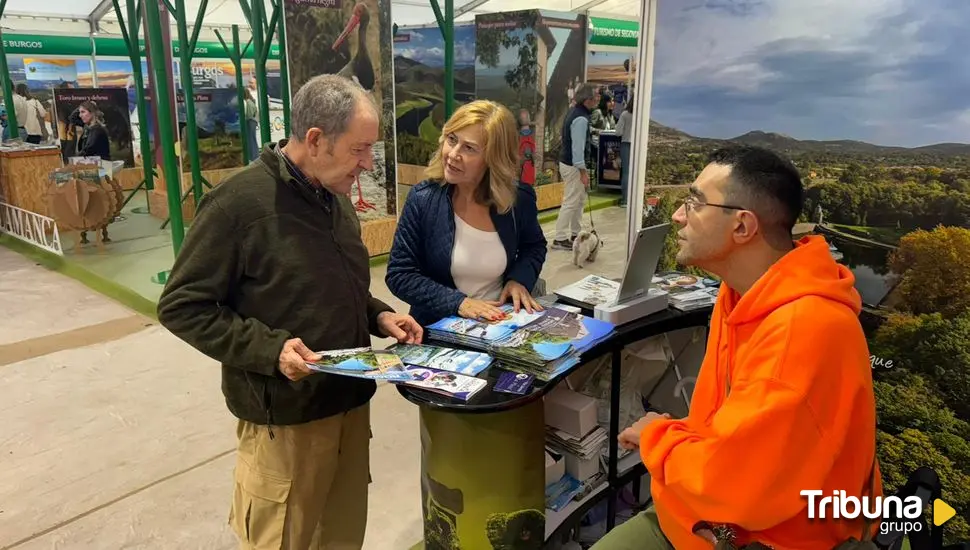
(482, 459)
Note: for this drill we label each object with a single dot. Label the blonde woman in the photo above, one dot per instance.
(468, 239)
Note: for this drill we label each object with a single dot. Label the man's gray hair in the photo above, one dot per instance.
(327, 102)
(584, 92)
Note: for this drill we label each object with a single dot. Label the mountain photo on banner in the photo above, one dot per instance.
(217, 123)
(351, 39)
(869, 101)
(419, 89)
(112, 111)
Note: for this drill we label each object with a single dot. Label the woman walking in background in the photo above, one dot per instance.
(624, 127)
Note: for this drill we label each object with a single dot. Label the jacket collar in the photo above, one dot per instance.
(285, 171)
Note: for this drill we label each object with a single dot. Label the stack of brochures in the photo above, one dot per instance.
(687, 292)
(442, 370)
(589, 292)
(543, 343)
(551, 344)
(460, 361)
(445, 371)
(361, 363)
(457, 386)
(480, 335)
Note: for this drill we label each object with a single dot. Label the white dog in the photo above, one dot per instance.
(585, 247)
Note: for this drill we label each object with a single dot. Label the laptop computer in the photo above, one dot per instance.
(594, 290)
(639, 272)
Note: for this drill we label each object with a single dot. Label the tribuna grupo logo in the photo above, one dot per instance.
(896, 514)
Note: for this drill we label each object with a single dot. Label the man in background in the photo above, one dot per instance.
(573, 166)
(783, 401)
(272, 271)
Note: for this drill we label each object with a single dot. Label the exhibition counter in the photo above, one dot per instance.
(483, 460)
(25, 176)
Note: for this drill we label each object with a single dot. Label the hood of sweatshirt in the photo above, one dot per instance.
(808, 270)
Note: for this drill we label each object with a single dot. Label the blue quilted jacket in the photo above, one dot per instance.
(419, 268)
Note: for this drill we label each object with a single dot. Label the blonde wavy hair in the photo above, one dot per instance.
(499, 186)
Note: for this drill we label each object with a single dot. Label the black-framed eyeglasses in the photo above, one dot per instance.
(692, 202)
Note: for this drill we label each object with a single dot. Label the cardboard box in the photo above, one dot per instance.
(555, 468)
(569, 411)
(582, 469)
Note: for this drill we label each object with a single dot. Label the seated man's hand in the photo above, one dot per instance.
(520, 296)
(293, 359)
(402, 328)
(630, 437)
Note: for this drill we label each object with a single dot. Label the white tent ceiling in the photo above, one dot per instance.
(32, 14)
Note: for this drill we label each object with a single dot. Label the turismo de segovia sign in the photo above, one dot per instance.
(613, 32)
(30, 227)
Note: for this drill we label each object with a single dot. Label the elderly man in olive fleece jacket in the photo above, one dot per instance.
(273, 268)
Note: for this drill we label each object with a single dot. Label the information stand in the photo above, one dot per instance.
(483, 464)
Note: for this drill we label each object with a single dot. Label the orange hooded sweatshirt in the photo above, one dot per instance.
(800, 414)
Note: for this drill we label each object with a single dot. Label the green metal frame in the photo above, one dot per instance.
(255, 13)
(284, 70)
(162, 101)
(129, 32)
(8, 85)
(235, 55)
(186, 51)
(446, 23)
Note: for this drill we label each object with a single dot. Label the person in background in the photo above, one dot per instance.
(527, 149)
(22, 109)
(252, 113)
(784, 398)
(574, 160)
(469, 239)
(624, 127)
(33, 124)
(3, 121)
(274, 269)
(602, 116)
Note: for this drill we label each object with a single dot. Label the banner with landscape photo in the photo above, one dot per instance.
(114, 114)
(217, 122)
(419, 71)
(351, 39)
(874, 113)
(526, 60)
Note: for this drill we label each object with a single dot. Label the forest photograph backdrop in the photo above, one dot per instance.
(868, 98)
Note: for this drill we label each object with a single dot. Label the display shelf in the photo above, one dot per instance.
(555, 519)
(627, 466)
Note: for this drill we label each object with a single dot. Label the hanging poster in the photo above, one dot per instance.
(526, 60)
(108, 107)
(217, 119)
(874, 114)
(352, 39)
(419, 74)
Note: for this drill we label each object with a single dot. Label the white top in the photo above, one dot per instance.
(477, 261)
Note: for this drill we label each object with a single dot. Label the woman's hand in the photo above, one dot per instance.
(521, 298)
(470, 308)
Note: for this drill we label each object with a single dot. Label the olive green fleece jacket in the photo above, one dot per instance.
(268, 259)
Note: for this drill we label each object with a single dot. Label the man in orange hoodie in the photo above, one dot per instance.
(783, 402)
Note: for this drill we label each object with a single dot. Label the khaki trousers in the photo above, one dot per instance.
(306, 488)
(569, 223)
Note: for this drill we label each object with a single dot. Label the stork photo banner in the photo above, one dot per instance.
(352, 39)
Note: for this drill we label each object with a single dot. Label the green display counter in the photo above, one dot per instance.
(483, 479)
